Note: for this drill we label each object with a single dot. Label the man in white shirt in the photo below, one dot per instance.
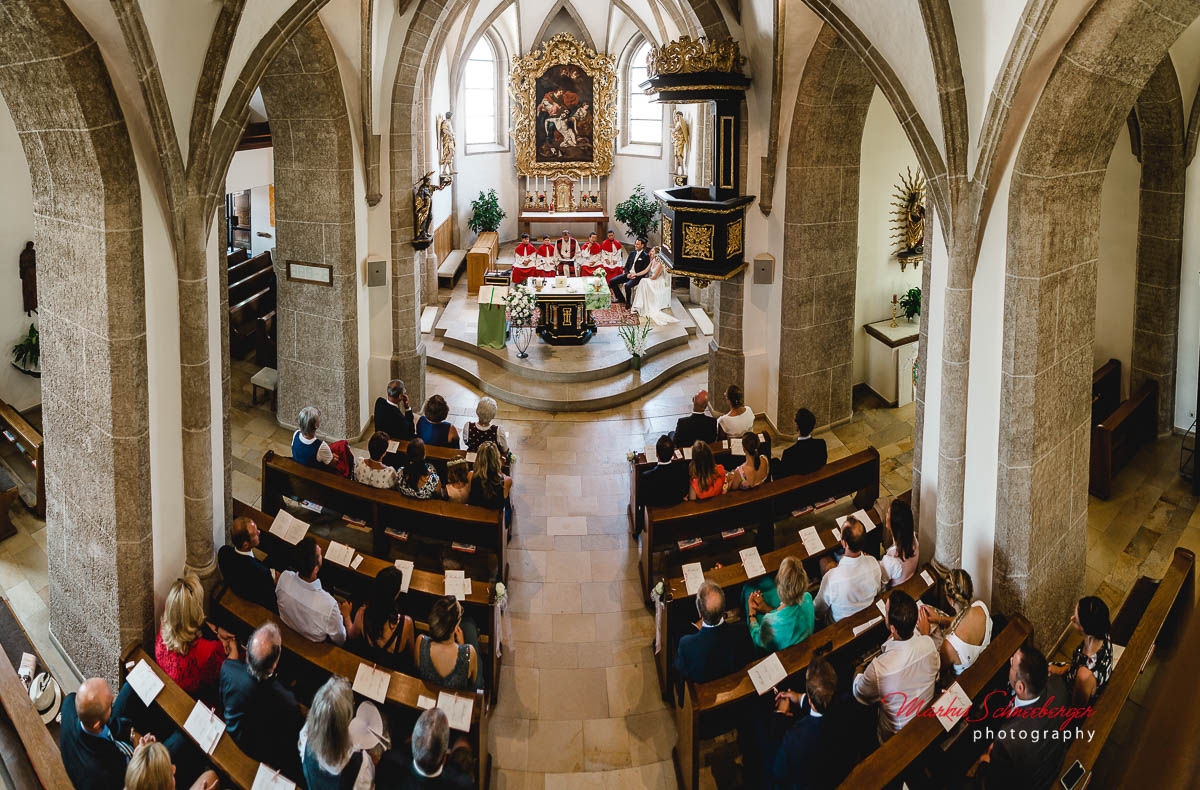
(852, 584)
(304, 606)
(902, 678)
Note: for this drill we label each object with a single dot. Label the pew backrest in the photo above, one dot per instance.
(1106, 390)
(253, 283)
(1118, 437)
(27, 441)
(38, 745)
(245, 268)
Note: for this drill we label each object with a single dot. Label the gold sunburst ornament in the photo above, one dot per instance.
(909, 218)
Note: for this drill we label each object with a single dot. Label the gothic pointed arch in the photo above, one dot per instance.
(556, 11)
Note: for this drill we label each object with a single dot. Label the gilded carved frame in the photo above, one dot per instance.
(526, 69)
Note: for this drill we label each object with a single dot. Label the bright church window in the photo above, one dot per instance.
(481, 92)
(645, 126)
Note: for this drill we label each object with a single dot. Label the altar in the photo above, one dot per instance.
(565, 306)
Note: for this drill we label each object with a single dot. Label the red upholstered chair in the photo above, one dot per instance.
(520, 275)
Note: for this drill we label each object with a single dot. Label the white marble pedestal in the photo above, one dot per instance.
(891, 354)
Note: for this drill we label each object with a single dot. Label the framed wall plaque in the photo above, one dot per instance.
(312, 273)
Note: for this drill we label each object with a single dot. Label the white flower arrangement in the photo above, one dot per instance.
(635, 337)
(520, 305)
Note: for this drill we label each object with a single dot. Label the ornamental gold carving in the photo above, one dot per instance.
(733, 245)
(564, 115)
(686, 56)
(698, 241)
(666, 233)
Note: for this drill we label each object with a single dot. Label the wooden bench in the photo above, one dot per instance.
(326, 658)
(890, 760)
(28, 441)
(388, 514)
(1139, 623)
(438, 456)
(713, 704)
(251, 283)
(641, 463)
(424, 588)
(240, 271)
(227, 759)
(30, 753)
(1106, 390)
(1115, 440)
(266, 352)
(451, 268)
(243, 319)
(236, 257)
(760, 508)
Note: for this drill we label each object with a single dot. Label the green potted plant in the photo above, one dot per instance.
(910, 303)
(27, 353)
(486, 213)
(638, 213)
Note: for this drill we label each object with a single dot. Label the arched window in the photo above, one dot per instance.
(643, 117)
(482, 94)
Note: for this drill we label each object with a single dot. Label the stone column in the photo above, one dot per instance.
(726, 358)
(226, 374)
(952, 412)
(922, 369)
(408, 352)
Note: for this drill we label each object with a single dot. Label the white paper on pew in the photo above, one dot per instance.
(811, 540)
(393, 446)
(861, 517)
(925, 577)
(693, 577)
(372, 683)
(339, 553)
(354, 563)
(457, 710)
(270, 779)
(735, 447)
(952, 706)
(651, 453)
(288, 527)
(425, 703)
(144, 681)
(837, 534)
(471, 458)
(881, 606)
(752, 562)
(405, 567)
(687, 453)
(867, 626)
(766, 673)
(1117, 651)
(205, 727)
(456, 584)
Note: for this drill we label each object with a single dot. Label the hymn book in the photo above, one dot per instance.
(339, 553)
(952, 706)
(393, 446)
(405, 567)
(270, 779)
(205, 727)
(812, 541)
(425, 703)
(457, 710)
(372, 683)
(766, 673)
(288, 527)
(144, 682)
(752, 562)
(881, 606)
(925, 577)
(735, 447)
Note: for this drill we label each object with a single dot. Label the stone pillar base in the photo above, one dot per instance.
(725, 367)
(410, 368)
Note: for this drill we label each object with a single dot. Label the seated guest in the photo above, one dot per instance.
(812, 753)
(419, 480)
(96, 745)
(485, 430)
(458, 480)
(905, 671)
(665, 483)
(900, 561)
(1024, 751)
(393, 414)
(261, 714)
(428, 761)
(490, 487)
(303, 605)
(150, 768)
(969, 630)
(698, 426)
(718, 648)
(780, 610)
(851, 584)
(328, 753)
(448, 655)
(706, 476)
(245, 574)
(755, 470)
(181, 650)
(307, 449)
(807, 455)
(432, 428)
(1092, 662)
(383, 635)
(738, 419)
(373, 471)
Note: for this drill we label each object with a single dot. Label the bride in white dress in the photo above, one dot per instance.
(653, 293)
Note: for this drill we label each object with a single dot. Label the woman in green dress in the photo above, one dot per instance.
(780, 610)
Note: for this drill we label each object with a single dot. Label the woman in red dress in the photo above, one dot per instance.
(190, 658)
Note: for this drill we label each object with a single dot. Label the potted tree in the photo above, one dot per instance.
(27, 354)
(638, 213)
(485, 213)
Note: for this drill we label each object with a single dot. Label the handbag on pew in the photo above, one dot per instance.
(343, 458)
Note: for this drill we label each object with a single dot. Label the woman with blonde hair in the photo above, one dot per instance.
(328, 752)
(969, 630)
(490, 487)
(780, 610)
(150, 768)
(707, 476)
(189, 655)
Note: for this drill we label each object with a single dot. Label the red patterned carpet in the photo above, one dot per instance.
(617, 315)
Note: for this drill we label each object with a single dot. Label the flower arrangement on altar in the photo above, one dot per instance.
(635, 336)
(520, 306)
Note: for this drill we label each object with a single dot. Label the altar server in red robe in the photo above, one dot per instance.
(590, 256)
(525, 261)
(568, 250)
(547, 258)
(611, 253)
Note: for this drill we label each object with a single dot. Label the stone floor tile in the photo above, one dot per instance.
(633, 689)
(572, 694)
(605, 745)
(556, 746)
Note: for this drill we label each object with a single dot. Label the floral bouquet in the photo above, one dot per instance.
(635, 336)
(520, 306)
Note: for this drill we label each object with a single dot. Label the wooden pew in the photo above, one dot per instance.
(892, 758)
(387, 513)
(715, 701)
(1115, 440)
(1171, 598)
(1106, 390)
(327, 658)
(761, 507)
(424, 588)
(244, 270)
(227, 759)
(38, 752)
(438, 456)
(28, 442)
(243, 318)
(265, 347)
(252, 283)
(236, 257)
(641, 462)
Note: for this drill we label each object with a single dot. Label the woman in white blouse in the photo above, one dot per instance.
(969, 630)
(900, 561)
(738, 419)
(372, 471)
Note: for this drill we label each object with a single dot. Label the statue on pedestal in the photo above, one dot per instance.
(679, 147)
(423, 208)
(28, 269)
(446, 146)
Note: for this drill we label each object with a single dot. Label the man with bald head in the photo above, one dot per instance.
(262, 716)
(699, 426)
(96, 746)
(718, 648)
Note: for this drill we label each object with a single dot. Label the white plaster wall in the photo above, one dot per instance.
(250, 169)
(1185, 54)
(885, 155)
(257, 19)
(16, 228)
(260, 220)
(1116, 268)
(180, 35)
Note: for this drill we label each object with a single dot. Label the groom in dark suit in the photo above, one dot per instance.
(637, 260)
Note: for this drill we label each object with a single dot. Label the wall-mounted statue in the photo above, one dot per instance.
(446, 146)
(423, 208)
(680, 137)
(28, 269)
(909, 218)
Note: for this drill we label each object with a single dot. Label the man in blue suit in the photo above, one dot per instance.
(813, 750)
(718, 648)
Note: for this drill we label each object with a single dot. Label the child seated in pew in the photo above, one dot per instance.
(780, 610)
(458, 480)
(419, 480)
(707, 476)
(1092, 662)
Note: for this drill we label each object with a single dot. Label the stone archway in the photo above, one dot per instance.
(88, 230)
(314, 223)
(821, 233)
(1050, 301)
